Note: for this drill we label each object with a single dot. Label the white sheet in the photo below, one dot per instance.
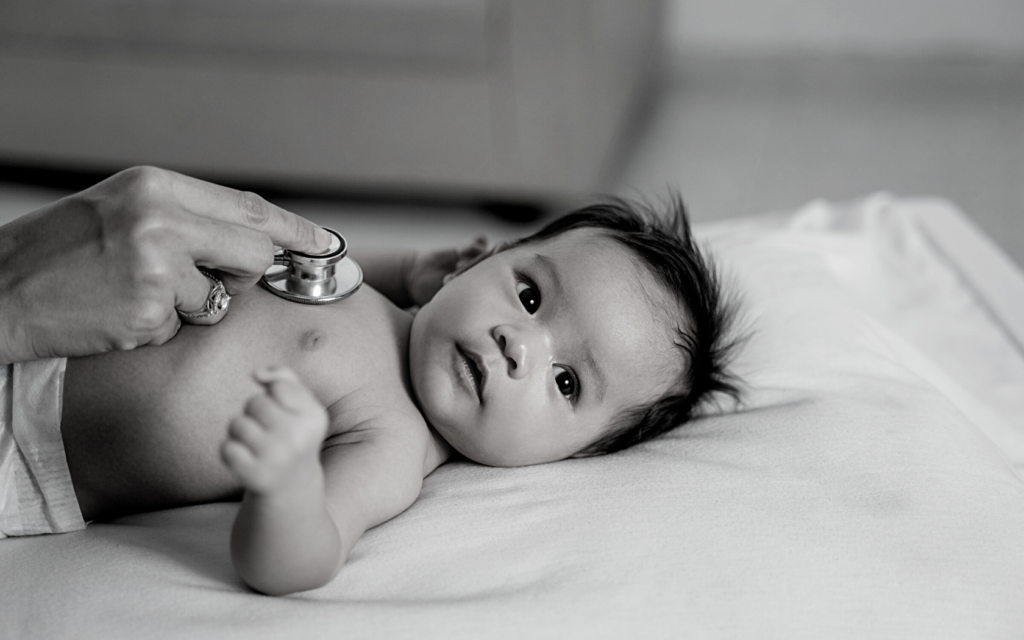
(920, 268)
(847, 499)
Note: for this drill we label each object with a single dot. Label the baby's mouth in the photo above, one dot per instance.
(476, 377)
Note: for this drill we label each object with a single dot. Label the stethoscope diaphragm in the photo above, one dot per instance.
(314, 278)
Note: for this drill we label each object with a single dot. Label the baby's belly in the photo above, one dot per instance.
(143, 429)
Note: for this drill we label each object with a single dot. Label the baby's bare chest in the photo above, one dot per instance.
(356, 347)
(143, 429)
(195, 383)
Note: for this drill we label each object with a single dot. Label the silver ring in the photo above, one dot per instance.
(216, 303)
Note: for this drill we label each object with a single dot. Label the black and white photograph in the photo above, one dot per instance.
(511, 319)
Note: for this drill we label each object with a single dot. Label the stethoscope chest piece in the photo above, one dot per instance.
(314, 279)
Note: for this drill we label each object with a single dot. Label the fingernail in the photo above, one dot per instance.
(323, 239)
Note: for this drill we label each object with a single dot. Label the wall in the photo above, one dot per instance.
(923, 27)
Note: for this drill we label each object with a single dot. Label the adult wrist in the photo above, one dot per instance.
(14, 344)
(12, 340)
(17, 241)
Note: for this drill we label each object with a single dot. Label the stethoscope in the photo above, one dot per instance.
(314, 279)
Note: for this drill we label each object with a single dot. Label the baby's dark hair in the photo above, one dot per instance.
(665, 245)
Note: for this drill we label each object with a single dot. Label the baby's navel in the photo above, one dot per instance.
(312, 340)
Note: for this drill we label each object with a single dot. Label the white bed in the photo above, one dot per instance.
(870, 486)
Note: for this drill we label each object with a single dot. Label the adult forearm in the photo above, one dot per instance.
(11, 333)
(16, 297)
(9, 329)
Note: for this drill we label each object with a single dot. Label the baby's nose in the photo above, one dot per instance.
(514, 346)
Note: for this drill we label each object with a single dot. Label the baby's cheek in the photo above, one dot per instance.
(432, 391)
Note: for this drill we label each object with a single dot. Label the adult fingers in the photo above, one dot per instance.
(193, 289)
(167, 329)
(241, 255)
(247, 209)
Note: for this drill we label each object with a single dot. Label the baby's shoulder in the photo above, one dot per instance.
(389, 435)
(375, 470)
(377, 409)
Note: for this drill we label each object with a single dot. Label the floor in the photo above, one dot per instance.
(737, 136)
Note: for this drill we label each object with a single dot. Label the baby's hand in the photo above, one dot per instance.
(275, 444)
(426, 273)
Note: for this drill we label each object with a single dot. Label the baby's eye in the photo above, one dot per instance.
(567, 383)
(528, 295)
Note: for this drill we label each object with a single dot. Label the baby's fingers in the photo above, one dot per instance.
(240, 460)
(475, 248)
(249, 433)
(249, 469)
(472, 254)
(471, 251)
(267, 414)
(284, 386)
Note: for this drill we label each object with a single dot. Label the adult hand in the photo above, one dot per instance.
(108, 268)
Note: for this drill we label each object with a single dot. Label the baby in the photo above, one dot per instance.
(600, 331)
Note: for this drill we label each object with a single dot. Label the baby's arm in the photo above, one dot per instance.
(410, 278)
(284, 539)
(304, 510)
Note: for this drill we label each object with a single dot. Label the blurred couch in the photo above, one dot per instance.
(514, 99)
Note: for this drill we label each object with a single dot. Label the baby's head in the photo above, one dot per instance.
(602, 330)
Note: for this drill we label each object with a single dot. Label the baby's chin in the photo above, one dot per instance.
(488, 458)
(491, 454)
(417, 362)
(457, 437)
